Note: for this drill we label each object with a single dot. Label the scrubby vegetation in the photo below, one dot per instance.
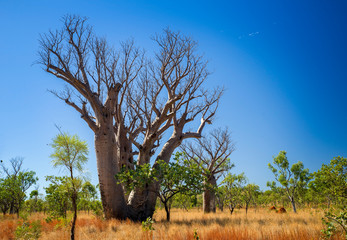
(259, 223)
(131, 103)
(254, 214)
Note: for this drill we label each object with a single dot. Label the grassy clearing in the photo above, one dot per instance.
(257, 224)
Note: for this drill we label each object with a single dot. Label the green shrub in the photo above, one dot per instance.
(28, 231)
(148, 224)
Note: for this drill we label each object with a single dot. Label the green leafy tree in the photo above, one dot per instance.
(35, 202)
(184, 201)
(221, 197)
(330, 184)
(175, 178)
(57, 196)
(14, 185)
(70, 153)
(87, 195)
(330, 181)
(249, 194)
(291, 178)
(274, 197)
(232, 187)
(5, 197)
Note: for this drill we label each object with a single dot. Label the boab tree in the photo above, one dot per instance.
(211, 153)
(129, 102)
(175, 178)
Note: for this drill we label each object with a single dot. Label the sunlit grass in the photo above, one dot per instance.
(257, 224)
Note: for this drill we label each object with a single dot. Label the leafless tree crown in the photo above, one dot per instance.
(16, 165)
(144, 97)
(211, 152)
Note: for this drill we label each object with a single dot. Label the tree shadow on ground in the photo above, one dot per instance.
(206, 222)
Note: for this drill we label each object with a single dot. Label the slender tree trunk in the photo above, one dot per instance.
(231, 208)
(246, 208)
(167, 209)
(221, 206)
(74, 207)
(209, 196)
(112, 194)
(220, 203)
(293, 204)
(11, 208)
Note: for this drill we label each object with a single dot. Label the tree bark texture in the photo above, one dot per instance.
(167, 209)
(231, 208)
(112, 195)
(209, 196)
(142, 201)
(74, 206)
(293, 203)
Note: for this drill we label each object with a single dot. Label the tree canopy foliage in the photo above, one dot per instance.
(330, 181)
(69, 153)
(175, 178)
(14, 185)
(293, 178)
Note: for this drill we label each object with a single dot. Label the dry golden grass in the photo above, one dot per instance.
(258, 224)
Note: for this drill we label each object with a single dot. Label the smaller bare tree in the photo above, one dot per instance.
(211, 153)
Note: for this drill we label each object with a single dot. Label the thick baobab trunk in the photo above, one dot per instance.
(138, 198)
(112, 194)
(124, 148)
(209, 196)
(164, 155)
(142, 202)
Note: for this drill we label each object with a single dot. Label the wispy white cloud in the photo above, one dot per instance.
(253, 34)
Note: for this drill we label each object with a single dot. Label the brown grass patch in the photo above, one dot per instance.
(257, 224)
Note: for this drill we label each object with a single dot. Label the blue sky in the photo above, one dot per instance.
(283, 64)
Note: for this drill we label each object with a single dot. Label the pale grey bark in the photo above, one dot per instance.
(111, 193)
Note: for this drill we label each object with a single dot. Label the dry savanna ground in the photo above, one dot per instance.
(257, 224)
